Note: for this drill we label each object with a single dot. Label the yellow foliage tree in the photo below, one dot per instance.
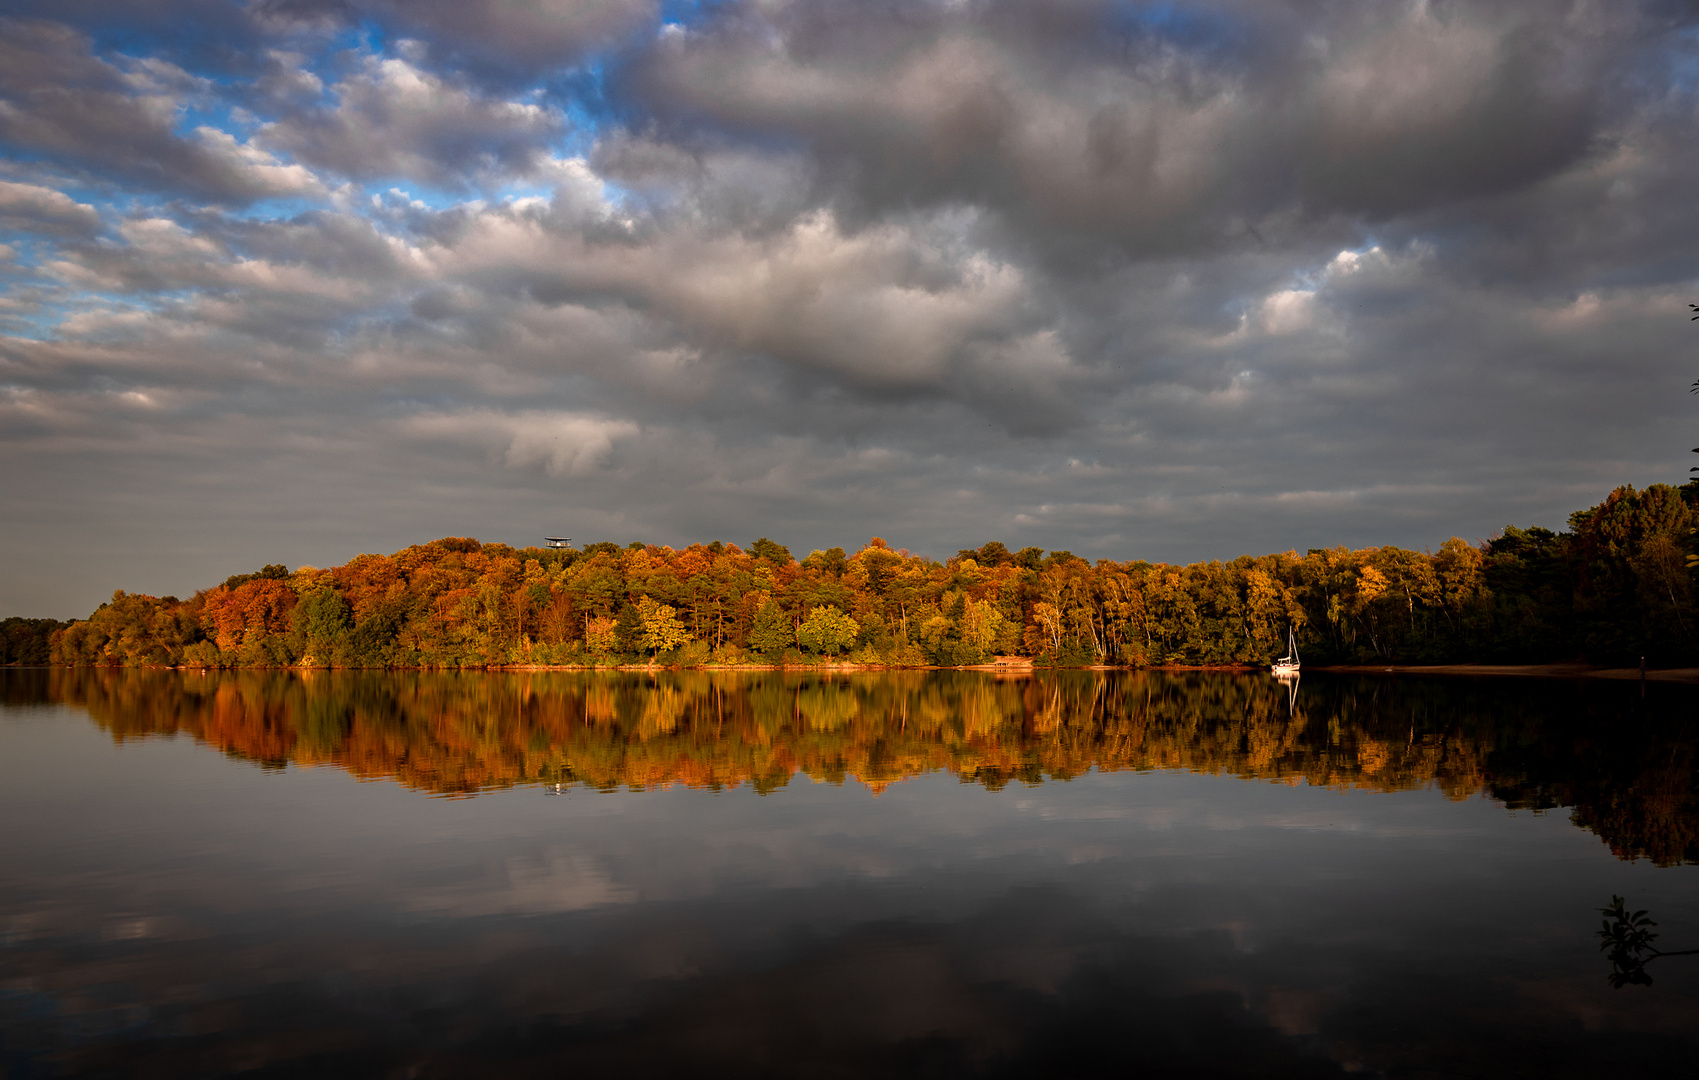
(662, 630)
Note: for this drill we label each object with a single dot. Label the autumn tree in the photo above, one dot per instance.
(827, 631)
(601, 636)
(661, 629)
(1613, 587)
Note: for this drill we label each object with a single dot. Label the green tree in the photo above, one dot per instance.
(832, 561)
(777, 554)
(628, 629)
(269, 572)
(771, 632)
(827, 630)
(1629, 602)
(27, 641)
(322, 619)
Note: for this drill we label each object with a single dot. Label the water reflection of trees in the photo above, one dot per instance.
(1626, 768)
(1626, 937)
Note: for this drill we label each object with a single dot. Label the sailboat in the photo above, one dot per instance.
(1288, 664)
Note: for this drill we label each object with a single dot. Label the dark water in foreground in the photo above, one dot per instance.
(941, 874)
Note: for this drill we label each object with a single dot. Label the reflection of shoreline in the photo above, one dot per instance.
(1540, 671)
(1530, 744)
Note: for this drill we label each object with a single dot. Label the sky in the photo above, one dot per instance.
(292, 280)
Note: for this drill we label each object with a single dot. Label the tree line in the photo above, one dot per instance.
(28, 642)
(1613, 587)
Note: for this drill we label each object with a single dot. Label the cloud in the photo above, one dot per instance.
(31, 208)
(887, 308)
(393, 119)
(501, 39)
(1172, 282)
(1136, 135)
(1287, 311)
(563, 443)
(552, 882)
(118, 123)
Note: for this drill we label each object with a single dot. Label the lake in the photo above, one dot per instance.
(882, 874)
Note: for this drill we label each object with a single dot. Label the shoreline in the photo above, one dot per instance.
(1025, 666)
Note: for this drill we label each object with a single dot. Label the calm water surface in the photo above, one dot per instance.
(943, 874)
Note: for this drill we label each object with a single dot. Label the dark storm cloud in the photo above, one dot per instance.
(1175, 281)
(119, 119)
(60, 102)
(1106, 121)
(504, 40)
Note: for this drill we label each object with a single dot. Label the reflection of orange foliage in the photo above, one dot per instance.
(459, 734)
(261, 726)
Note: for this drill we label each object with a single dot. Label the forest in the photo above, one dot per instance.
(1615, 586)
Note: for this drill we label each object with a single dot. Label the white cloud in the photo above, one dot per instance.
(1288, 311)
(394, 119)
(261, 170)
(563, 443)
